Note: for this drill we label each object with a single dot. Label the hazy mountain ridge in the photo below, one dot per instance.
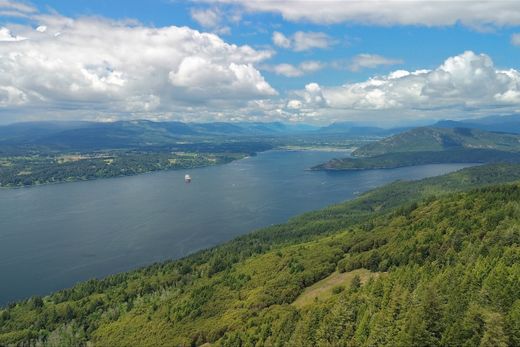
(124, 134)
(440, 139)
(356, 129)
(508, 124)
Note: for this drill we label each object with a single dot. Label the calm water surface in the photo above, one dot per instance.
(54, 236)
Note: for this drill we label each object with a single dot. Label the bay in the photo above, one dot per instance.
(56, 235)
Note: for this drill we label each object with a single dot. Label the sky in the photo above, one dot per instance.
(376, 62)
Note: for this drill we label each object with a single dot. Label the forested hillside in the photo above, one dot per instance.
(402, 159)
(431, 145)
(440, 139)
(434, 262)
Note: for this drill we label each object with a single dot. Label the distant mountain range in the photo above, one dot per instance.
(124, 134)
(508, 124)
(354, 129)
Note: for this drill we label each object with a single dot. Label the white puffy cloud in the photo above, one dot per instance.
(302, 41)
(467, 81)
(104, 69)
(370, 61)
(479, 13)
(294, 104)
(7, 36)
(289, 70)
(219, 81)
(108, 66)
(312, 96)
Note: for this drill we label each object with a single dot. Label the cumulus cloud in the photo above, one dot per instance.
(302, 41)
(289, 70)
(478, 14)
(105, 69)
(41, 29)
(313, 95)
(108, 66)
(294, 104)
(7, 36)
(371, 61)
(228, 81)
(468, 81)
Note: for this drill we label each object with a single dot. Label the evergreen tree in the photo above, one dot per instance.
(494, 335)
(513, 324)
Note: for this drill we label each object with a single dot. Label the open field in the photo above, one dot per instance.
(324, 289)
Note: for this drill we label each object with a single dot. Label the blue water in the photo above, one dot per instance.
(54, 236)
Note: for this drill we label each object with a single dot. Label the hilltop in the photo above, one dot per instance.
(431, 262)
(508, 123)
(431, 145)
(402, 159)
(440, 139)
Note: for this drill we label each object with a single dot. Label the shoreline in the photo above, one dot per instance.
(318, 149)
(246, 156)
(392, 167)
(356, 194)
(113, 177)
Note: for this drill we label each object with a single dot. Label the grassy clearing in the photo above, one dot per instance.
(323, 289)
(24, 173)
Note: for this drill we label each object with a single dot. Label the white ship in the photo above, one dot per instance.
(187, 178)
